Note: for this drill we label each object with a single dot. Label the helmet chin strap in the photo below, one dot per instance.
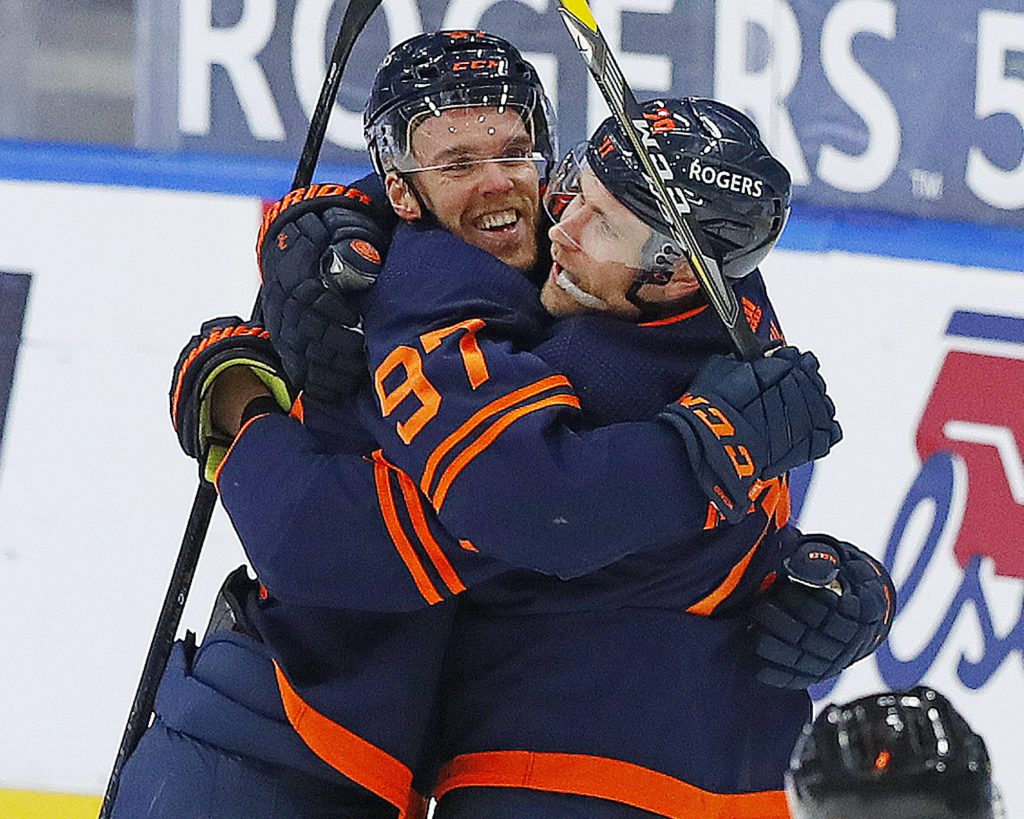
(588, 300)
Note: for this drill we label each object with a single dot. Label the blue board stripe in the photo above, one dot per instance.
(986, 326)
(811, 228)
(269, 178)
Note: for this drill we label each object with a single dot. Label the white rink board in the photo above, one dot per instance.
(94, 491)
(878, 325)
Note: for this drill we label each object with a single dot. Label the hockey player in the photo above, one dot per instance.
(573, 656)
(250, 750)
(898, 753)
(478, 464)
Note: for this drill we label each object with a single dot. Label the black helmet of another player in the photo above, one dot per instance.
(440, 70)
(906, 754)
(738, 191)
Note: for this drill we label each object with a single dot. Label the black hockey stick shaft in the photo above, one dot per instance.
(671, 199)
(163, 635)
(354, 21)
(356, 16)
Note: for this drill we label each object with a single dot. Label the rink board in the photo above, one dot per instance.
(924, 359)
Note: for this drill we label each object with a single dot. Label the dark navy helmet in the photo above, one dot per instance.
(437, 71)
(737, 190)
(907, 754)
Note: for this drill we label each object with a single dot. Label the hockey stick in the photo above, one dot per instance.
(671, 200)
(356, 16)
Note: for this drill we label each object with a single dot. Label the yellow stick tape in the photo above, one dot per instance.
(581, 11)
(35, 805)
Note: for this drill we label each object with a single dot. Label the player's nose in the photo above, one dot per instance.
(567, 230)
(493, 177)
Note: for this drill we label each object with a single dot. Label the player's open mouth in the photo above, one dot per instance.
(501, 221)
(562, 280)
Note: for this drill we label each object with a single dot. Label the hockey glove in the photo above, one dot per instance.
(318, 250)
(746, 421)
(833, 606)
(220, 344)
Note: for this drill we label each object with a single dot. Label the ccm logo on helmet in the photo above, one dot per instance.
(475, 65)
(726, 180)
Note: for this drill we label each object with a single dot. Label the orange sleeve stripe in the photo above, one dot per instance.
(604, 778)
(482, 415)
(359, 760)
(419, 522)
(394, 527)
(707, 606)
(488, 438)
(675, 319)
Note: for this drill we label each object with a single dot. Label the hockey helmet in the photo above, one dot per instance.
(737, 190)
(437, 71)
(907, 754)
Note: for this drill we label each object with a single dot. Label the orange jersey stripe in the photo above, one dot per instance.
(674, 319)
(488, 438)
(604, 778)
(419, 523)
(359, 760)
(707, 606)
(398, 537)
(482, 415)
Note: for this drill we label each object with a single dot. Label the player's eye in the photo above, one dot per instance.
(459, 167)
(517, 151)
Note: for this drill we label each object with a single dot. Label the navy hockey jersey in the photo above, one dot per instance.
(481, 465)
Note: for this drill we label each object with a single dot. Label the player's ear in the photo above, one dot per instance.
(402, 199)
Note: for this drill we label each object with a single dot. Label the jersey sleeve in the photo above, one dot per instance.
(338, 529)
(507, 467)
(492, 435)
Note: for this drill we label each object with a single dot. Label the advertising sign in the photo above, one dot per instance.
(926, 365)
(909, 106)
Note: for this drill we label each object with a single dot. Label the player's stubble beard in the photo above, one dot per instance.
(515, 245)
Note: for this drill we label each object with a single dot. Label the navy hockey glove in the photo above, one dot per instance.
(747, 421)
(318, 250)
(832, 606)
(220, 344)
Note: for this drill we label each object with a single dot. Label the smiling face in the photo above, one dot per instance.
(493, 205)
(597, 246)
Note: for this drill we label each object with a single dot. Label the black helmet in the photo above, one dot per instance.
(738, 191)
(450, 69)
(907, 754)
